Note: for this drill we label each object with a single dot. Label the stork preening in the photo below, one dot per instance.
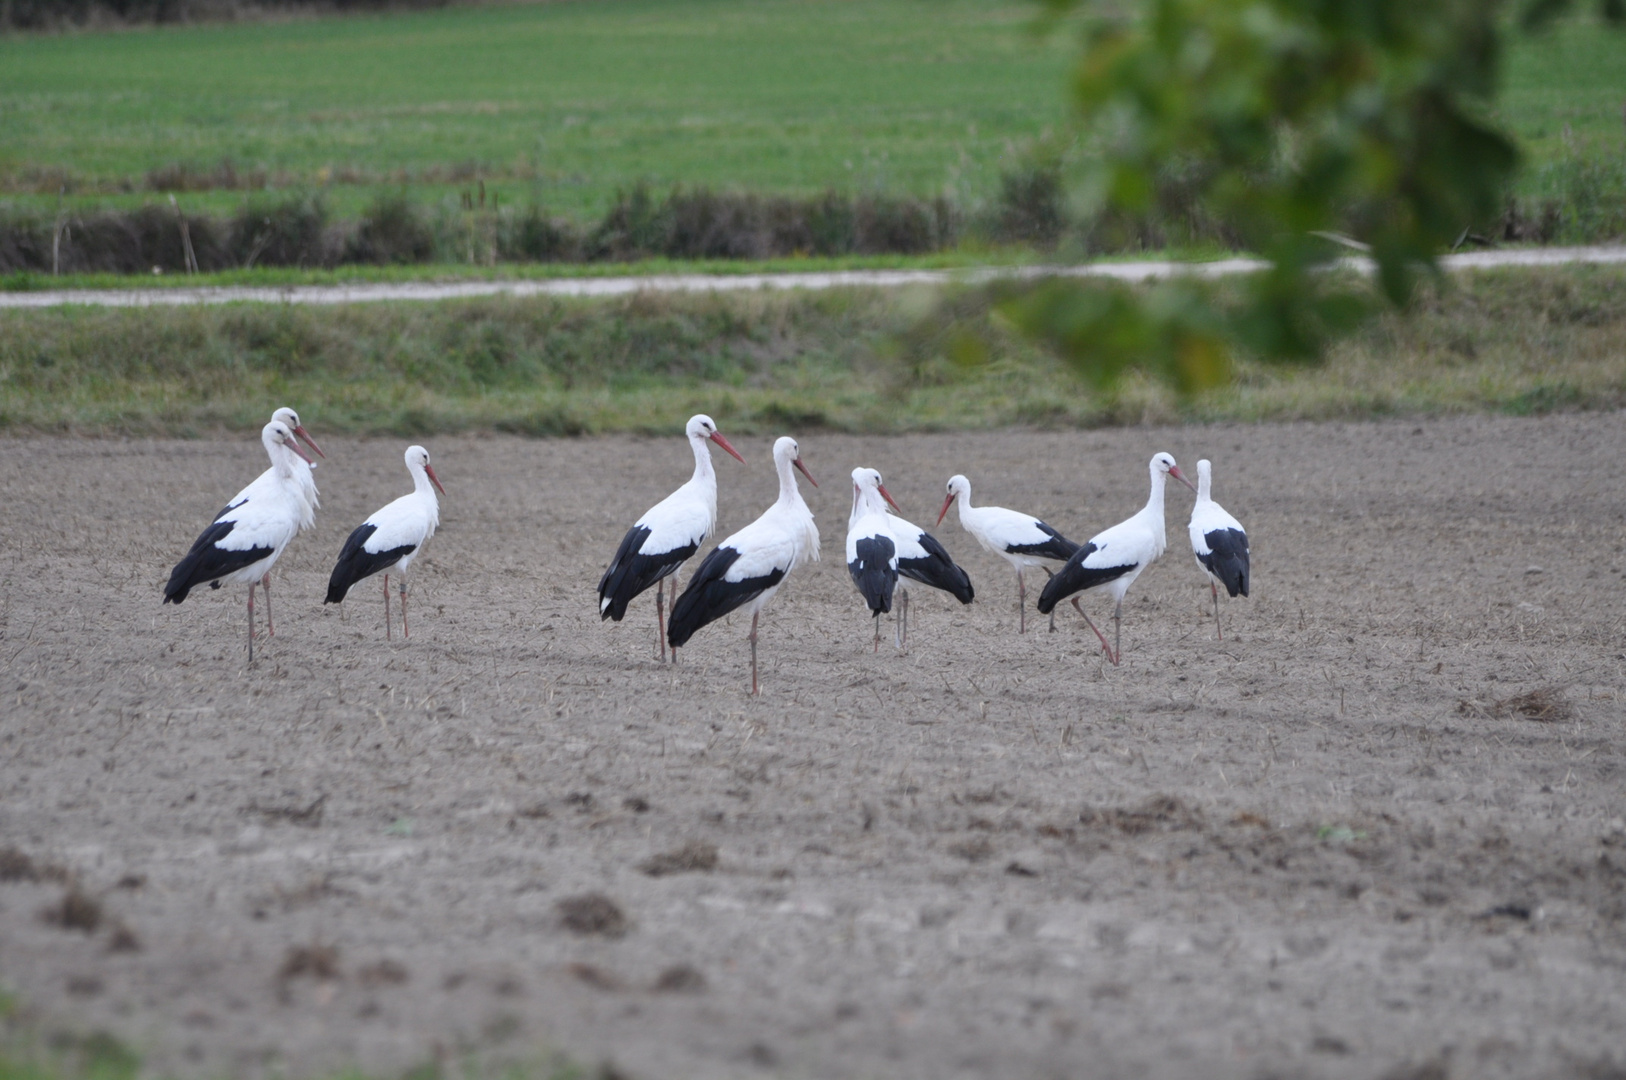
(304, 470)
(872, 550)
(746, 569)
(668, 533)
(1113, 559)
(1219, 543)
(1020, 539)
(246, 538)
(391, 538)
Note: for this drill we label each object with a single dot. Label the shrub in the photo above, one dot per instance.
(533, 236)
(292, 231)
(393, 230)
(1031, 204)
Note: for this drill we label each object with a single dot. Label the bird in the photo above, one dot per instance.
(922, 558)
(246, 538)
(1020, 539)
(304, 473)
(1219, 543)
(391, 538)
(1112, 560)
(872, 550)
(668, 533)
(747, 568)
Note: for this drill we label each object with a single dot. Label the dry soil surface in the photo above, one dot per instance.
(1374, 832)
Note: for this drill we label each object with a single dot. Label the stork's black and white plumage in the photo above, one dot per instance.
(746, 569)
(1020, 539)
(391, 538)
(668, 533)
(1218, 541)
(1113, 559)
(246, 538)
(872, 550)
(304, 474)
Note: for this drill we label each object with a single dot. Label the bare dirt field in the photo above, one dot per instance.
(1375, 832)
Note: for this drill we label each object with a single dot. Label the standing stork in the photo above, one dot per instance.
(304, 471)
(245, 540)
(1020, 539)
(391, 538)
(872, 550)
(1218, 541)
(746, 569)
(1113, 559)
(668, 533)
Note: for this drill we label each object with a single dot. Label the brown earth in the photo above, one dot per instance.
(1375, 832)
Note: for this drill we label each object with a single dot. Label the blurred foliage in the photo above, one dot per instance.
(1309, 127)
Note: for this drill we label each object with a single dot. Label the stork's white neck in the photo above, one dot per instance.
(1154, 502)
(702, 459)
(1204, 480)
(420, 482)
(283, 460)
(964, 499)
(788, 491)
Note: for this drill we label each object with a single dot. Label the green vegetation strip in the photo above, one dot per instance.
(847, 359)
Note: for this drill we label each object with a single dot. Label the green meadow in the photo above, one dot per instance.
(563, 103)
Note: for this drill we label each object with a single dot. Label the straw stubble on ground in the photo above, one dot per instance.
(1341, 843)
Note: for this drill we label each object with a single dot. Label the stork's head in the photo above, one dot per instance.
(870, 480)
(702, 427)
(287, 416)
(958, 487)
(1164, 463)
(417, 460)
(785, 450)
(276, 434)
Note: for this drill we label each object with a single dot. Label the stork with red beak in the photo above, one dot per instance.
(872, 548)
(304, 476)
(246, 538)
(391, 538)
(667, 535)
(1020, 539)
(747, 568)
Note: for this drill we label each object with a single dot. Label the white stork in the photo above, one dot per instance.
(1020, 539)
(1219, 542)
(668, 533)
(303, 473)
(872, 550)
(247, 537)
(1113, 559)
(391, 538)
(746, 569)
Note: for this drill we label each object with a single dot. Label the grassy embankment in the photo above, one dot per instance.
(1510, 340)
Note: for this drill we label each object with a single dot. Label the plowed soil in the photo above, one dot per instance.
(1377, 831)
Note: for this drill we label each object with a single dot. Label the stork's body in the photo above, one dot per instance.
(1020, 539)
(747, 568)
(872, 549)
(1113, 559)
(1219, 543)
(246, 538)
(667, 535)
(304, 470)
(391, 538)
(922, 558)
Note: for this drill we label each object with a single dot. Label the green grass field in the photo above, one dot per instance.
(561, 101)
(564, 102)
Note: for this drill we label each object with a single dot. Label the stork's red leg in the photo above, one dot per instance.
(265, 583)
(251, 622)
(754, 689)
(388, 629)
(660, 617)
(1215, 590)
(1104, 646)
(405, 633)
(1021, 603)
(1118, 631)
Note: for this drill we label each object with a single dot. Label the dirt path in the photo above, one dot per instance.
(363, 293)
(1331, 846)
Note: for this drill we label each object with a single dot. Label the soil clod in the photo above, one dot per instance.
(75, 911)
(680, 979)
(592, 913)
(310, 961)
(696, 856)
(1162, 813)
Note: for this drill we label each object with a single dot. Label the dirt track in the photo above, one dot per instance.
(1331, 845)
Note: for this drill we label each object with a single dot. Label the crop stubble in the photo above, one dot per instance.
(1377, 828)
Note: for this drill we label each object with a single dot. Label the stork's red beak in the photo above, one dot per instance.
(946, 504)
(293, 444)
(798, 463)
(1174, 471)
(890, 501)
(717, 437)
(310, 442)
(433, 479)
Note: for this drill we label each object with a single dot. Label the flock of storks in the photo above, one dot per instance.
(744, 571)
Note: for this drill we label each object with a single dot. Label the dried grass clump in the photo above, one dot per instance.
(1545, 705)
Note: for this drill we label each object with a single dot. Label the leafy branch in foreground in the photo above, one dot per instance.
(1292, 121)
